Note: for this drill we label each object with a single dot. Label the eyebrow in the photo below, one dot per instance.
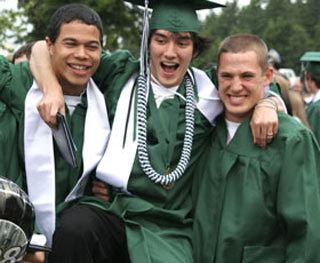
(241, 74)
(175, 35)
(247, 73)
(159, 34)
(75, 40)
(182, 37)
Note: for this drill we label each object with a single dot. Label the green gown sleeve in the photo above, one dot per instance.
(9, 165)
(298, 200)
(15, 81)
(275, 88)
(110, 67)
(114, 71)
(313, 114)
(212, 74)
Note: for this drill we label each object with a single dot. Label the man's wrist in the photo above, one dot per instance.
(267, 103)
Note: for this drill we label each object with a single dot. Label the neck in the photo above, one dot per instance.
(156, 81)
(72, 90)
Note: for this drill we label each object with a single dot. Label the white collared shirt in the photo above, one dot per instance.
(161, 92)
(72, 102)
(232, 128)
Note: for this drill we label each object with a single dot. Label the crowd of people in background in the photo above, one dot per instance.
(172, 164)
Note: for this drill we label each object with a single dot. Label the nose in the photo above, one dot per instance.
(80, 52)
(171, 50)
(236, 84)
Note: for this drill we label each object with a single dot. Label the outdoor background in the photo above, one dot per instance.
(290, 27)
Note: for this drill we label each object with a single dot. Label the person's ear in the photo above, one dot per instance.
(195, 54)
(49, 45)
(269, 75)
(307, 76)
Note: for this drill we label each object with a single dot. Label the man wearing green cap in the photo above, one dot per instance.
(312, 83)
(158, 134)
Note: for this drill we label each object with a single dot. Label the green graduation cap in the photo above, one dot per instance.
(176, 15)
(313, 67)
(311, 56)
(312, 62)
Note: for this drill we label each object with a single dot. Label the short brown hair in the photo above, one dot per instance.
(245, 42)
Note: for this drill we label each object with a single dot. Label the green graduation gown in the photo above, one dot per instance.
(15, 82)
(9, 164)
(158, 222)
(313, 114)
(258, 205)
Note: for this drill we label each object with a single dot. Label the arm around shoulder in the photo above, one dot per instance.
(53, 100)
(111, 66)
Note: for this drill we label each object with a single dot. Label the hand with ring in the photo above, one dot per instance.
(269, 137)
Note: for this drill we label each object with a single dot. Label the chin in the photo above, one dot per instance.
(79, 82)
(237, 111)
(166, 83)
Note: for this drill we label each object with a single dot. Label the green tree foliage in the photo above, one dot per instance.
(290, 27)
(12, 27)
(122, 25)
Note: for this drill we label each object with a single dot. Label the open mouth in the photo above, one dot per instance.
(169, 68)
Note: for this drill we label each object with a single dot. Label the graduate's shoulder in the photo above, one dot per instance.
(211, 72)
(20, 72)
(313, 108)
(15, 81)
(117, 58)
(114, 64)
(291, 128)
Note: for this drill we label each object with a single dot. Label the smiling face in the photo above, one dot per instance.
(75, 55)
(241, 83)
(170, 56)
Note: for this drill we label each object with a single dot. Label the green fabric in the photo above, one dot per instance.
(195, 4)
(313, 115)
(258, 205)
(275, 87)
(313, 67)
(310, 56)
(8, 121)
(114, 70)
(212, 74)
(9, 161)
(176, 16)
(158, 222)
(15, 82)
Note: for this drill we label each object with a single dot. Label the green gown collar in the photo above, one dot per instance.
(240, 144)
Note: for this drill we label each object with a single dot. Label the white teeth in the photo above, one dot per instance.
(169, 64)
(79, 67)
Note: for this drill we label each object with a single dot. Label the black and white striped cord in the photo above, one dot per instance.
(164, 179)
